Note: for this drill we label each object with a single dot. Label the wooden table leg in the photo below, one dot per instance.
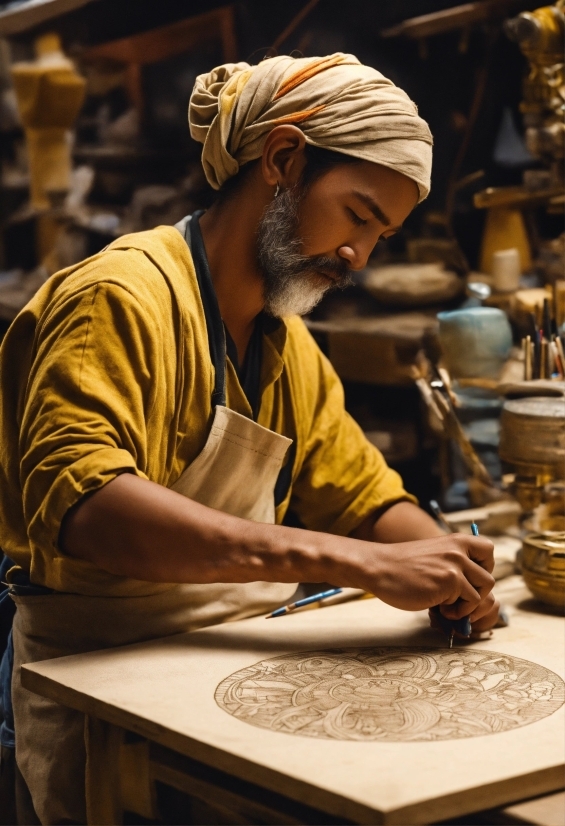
(103, 797)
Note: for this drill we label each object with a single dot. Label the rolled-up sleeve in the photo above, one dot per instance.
(343, 478)
(85, 406)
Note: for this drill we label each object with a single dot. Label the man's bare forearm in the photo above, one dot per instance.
(135, 528)
(402, 522)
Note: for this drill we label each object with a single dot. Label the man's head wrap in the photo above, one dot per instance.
(338, 103)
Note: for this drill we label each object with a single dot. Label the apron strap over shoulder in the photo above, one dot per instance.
(215, 326)
(189, 227)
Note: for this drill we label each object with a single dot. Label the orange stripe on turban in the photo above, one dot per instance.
(340, 105)
(309, 71)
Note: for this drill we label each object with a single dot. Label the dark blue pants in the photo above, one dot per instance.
(7, 611)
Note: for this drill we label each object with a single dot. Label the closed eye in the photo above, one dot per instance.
(357, 220)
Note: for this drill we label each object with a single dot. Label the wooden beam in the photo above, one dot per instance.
(514, 196)
(457, 17)
(31, 14)
(166, 41)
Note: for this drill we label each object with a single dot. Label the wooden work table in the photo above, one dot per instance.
(171, 710)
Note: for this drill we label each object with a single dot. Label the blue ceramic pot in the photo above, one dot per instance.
(475, 341)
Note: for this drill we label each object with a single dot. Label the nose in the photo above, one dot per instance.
(356, 259)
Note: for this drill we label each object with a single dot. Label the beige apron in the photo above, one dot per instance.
(235, 473)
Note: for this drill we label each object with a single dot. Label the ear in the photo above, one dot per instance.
(283, 158)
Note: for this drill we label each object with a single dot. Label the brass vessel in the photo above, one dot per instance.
(532, 439)
(543, 566)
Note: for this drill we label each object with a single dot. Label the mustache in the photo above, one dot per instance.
(333, 267)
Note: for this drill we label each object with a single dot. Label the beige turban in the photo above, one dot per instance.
(337, 102)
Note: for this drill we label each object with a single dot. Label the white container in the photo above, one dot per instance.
(506, 270)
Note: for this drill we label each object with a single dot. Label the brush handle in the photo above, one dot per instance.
(287, 609)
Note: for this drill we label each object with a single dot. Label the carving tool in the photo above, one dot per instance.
(451, 627)
(461, 626)
(287, 609)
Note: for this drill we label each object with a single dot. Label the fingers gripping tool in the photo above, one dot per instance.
(462, 626)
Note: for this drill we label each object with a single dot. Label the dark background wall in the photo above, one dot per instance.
(440, 74)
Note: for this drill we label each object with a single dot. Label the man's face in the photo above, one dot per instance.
(311, 237)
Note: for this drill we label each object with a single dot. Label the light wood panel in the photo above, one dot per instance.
(165, 691)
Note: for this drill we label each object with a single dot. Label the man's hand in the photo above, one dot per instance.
(452, 571)
(404, 522)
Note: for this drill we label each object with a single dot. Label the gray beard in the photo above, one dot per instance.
(293, 282)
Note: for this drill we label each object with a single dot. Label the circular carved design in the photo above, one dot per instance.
(392, 694)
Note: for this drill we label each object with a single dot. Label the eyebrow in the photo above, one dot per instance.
(372, 205)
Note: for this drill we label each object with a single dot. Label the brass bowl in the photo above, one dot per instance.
(543, 566)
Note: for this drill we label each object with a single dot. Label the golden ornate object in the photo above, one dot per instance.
(50, 94)
(540, 36)
(532, 439)
(543, 566)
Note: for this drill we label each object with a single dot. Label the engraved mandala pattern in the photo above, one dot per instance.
(392, 694)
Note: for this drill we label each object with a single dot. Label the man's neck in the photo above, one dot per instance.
(229, 231)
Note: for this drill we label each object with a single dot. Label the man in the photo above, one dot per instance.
(163, 406)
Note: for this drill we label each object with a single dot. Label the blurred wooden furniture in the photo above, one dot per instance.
(457, 17)
(548, 810)
(376, 349)
(165, 42)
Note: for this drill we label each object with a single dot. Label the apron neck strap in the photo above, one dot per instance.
(214, 323)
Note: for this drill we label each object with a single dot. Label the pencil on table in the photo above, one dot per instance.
(301, 603)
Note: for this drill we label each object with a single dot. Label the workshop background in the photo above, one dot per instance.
(450, 344)
(94, 143)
